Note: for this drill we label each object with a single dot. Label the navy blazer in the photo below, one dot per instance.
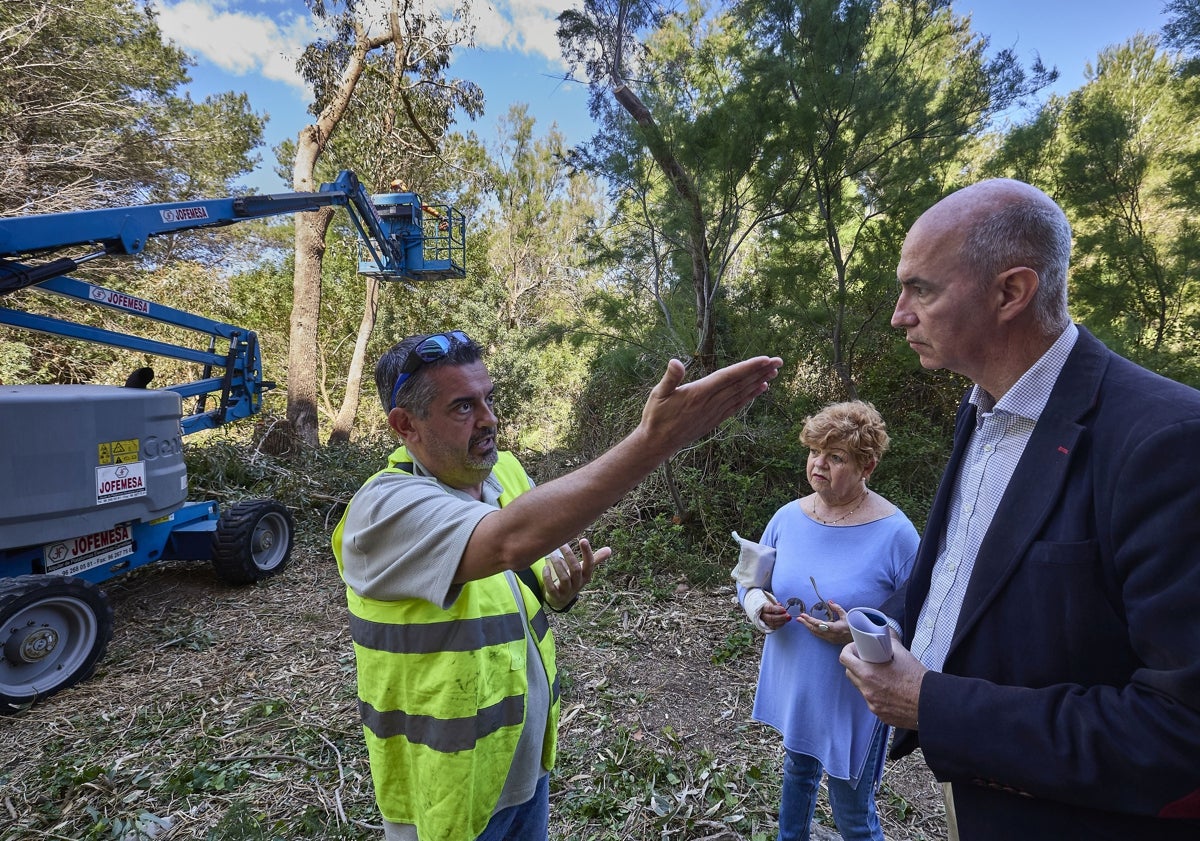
(1069, 702)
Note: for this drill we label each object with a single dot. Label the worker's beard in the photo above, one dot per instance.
(482, 453)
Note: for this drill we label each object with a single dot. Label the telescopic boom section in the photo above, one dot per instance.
(402, 239)
(125, 230)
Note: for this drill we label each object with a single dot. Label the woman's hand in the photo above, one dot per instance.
(774, 615)
(836, 631)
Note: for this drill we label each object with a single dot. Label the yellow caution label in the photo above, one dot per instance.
(119, 452)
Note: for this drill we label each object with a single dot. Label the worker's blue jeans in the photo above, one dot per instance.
(853, 808)
(528, 821)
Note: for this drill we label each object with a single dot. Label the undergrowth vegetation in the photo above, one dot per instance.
(674, 526)
(226, 713)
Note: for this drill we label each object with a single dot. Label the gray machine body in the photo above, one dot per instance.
(77, 459)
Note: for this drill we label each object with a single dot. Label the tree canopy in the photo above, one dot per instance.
(755, 167)
(91, 112)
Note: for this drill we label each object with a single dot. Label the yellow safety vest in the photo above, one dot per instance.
(442, 692)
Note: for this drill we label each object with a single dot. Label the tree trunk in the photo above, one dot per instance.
(344, 422)
(306, 308)
(304, 353)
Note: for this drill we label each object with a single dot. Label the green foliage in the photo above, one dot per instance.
(908, 475)
(663, 792)
(1119, 155)
(900, 806)
(239, 823)
(814, 132)
(90, 114)
(734, 645)
(314, 483)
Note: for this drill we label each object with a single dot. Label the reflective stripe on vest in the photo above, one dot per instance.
(445, 735)
(453, 635)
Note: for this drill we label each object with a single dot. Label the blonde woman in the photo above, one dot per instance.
(839, 547)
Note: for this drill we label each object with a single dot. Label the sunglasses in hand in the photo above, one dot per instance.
(795, 606)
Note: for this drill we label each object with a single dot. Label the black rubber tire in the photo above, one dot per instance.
(53, 631)
(253, 541)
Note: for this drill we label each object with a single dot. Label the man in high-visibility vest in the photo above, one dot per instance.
(457, 684)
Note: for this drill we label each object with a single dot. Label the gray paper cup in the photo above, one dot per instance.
(871, 634)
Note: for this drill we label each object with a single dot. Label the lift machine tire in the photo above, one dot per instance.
(53, 631)
(253, 541)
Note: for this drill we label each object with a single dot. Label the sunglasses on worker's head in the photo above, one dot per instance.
(429, 349)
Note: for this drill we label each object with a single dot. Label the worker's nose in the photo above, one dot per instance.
(486, 416)
(902, 316)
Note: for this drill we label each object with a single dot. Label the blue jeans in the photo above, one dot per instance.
(528, 821)
(853, 808)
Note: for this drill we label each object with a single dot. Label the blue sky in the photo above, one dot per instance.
(251, 46)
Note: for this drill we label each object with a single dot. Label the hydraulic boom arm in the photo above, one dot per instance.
(402, 239)
(125, 230)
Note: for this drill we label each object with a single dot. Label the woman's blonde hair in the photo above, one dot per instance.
(854, 426)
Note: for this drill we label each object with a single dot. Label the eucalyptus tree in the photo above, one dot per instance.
(1120, 155)
(91, 115)
(1182, 32)
(91, 112)
(414, 44)
(537, 215)
(396, 136)
(535, 220)
(674, 159)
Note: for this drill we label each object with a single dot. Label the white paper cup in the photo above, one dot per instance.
(871, 634)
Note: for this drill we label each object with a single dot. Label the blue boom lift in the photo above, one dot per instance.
(92, 478)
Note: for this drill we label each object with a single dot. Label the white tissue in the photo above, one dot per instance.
(755, 563)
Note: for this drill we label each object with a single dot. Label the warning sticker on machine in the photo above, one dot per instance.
(115, 482)
(118, 452)
(71, 557)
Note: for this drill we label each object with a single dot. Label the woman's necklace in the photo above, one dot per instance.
(822, 520)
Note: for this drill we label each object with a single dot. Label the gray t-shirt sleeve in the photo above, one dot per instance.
(404, 538)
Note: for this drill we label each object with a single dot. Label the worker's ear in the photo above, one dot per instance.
(1017, 287)
(401, 422)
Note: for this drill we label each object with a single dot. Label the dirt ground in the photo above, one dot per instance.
(229, 713)
(647, 668)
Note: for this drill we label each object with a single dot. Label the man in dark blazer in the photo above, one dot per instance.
(1050, 671)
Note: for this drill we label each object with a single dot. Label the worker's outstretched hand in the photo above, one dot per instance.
(676, 414)
(566, 573)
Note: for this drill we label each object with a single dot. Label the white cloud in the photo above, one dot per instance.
(525, 26)
(244, 43)
(236, 41)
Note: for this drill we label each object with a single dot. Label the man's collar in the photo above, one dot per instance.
(1029, 394)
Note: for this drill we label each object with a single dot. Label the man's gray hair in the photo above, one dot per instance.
(1027, 231)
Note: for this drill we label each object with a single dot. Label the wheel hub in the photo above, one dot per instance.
(264, 540)
(35, 645)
